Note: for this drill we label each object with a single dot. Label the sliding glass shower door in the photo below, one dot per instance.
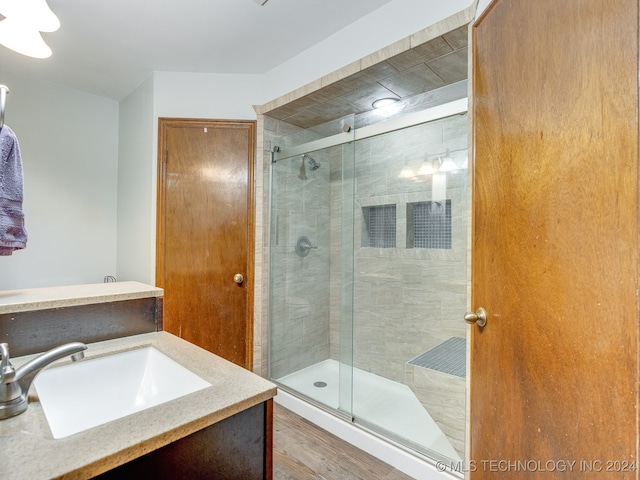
(311, 265)
(368, 284)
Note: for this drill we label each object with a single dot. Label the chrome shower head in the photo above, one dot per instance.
(312, 163)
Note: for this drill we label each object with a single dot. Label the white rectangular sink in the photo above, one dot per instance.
(89, 393)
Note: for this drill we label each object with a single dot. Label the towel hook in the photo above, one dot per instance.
(3, 100)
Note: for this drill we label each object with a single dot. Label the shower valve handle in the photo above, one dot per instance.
(479, 317)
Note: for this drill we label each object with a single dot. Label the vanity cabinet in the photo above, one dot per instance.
(223, 431)
(237, 448)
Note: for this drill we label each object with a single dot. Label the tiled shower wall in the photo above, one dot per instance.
(299, 296)
(408, 300)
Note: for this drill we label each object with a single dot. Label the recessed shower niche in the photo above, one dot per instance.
(379, 226)
(429, 224)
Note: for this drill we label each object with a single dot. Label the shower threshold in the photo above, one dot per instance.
(378, 401)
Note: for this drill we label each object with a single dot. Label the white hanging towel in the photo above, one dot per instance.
(13, 235)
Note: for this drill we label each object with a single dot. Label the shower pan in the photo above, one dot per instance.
(368, 275)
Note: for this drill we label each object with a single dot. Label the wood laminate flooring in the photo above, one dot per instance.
(303, 451)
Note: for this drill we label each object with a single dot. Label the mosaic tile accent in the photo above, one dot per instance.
(431, 224)
(448, 357)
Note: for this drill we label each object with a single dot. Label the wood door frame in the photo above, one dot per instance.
(164, 123)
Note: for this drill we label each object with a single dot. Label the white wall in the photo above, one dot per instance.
(136, 187)
(69, 146)
(206, 95)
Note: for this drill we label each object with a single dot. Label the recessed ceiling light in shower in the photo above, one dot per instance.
(384, 102)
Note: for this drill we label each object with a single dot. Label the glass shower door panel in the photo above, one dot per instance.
(343, 236)
(410, 285)
(307, 304)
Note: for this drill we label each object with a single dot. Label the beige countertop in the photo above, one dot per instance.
(29, 451)
(12, 301)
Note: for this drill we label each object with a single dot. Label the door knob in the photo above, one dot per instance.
(238, 278)
(479, 317)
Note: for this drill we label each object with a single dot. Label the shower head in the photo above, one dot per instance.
(312, 163)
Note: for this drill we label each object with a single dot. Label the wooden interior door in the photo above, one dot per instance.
(553, 374)
(205, 233)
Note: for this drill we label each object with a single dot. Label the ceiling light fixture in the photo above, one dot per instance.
(23, 22)
(384, 102)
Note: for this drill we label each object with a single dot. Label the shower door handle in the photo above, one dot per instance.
(479, 317)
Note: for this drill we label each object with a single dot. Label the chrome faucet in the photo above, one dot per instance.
(15, 382)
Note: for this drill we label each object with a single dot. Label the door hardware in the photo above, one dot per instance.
(479, 317)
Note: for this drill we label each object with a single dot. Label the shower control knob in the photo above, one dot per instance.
(238, 278)
(479, 317)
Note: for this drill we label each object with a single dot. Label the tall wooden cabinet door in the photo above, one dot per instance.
(553, 374)
(205, 233)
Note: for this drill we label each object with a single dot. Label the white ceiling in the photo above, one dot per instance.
(110, 47)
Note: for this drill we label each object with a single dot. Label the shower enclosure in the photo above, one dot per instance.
(369, 222)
